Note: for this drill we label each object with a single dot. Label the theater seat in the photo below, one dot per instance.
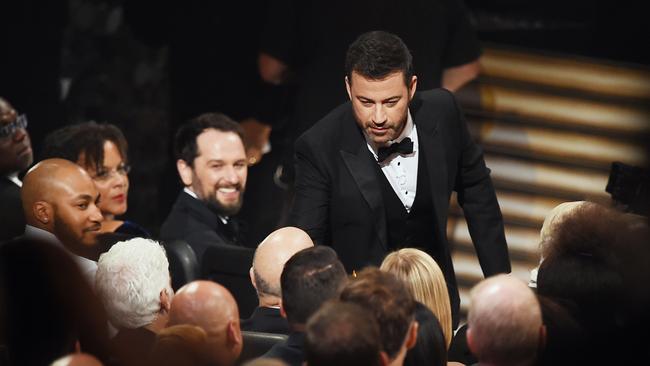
(257, 343)
(183, 265)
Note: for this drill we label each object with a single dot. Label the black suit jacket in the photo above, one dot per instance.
(191, 220)
(267, 320)
(12, 219)
(338, 198)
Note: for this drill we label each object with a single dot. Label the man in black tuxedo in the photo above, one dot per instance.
(15, 156)
(211, 162)
(376, 174)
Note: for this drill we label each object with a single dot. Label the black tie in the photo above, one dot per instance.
(403, 147)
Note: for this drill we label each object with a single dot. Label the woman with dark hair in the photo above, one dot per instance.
(101, 149)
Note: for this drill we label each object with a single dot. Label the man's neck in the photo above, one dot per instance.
(269, 302)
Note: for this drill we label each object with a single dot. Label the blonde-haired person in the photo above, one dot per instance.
(425, 280)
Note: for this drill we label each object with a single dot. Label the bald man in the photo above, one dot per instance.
(60, 206)
(15, 157)
(210, 306)
(77, 359)
(268, 262)
(504, 322)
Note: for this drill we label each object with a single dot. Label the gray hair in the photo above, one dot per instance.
(129, 279)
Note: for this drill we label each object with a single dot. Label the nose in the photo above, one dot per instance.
(379, 114)
(19, 134)
(231, 175)
(95, 214)
(120, 180)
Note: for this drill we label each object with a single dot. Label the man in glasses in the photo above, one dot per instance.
(15, 156)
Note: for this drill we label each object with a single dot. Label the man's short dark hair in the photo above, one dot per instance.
(375, 55)
(309, 278)
(185, 146)
(388, 299)
(87, 139)
(342, 334)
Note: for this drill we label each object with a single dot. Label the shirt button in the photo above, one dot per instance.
(398, 163)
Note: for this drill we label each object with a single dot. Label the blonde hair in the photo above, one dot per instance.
(425, 281)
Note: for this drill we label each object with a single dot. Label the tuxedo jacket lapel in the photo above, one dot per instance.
(361, 165)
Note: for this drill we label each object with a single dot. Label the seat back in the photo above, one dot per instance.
(183, 265)
(257, 344)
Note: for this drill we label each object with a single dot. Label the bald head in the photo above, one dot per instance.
(270, 257)
(77, 359)
(60, 197)
(210, 306)
(504, 321)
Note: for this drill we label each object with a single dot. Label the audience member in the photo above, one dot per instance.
(388, 299)
(77, 359)
(133, 283)
(504, 322)
(210, 306)
(47, 309)
(309, 278)
(426, 282)
(566, 340)
(15, 156)
(101, 149)
(212, 165)
(343, 334)
(268, 262)
(60, 206)
(430, 347)
(181, 345)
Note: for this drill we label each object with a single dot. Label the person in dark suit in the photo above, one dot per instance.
(15, 156)
(268, 262)
(212, 165)
(310, 278)
(377, 173)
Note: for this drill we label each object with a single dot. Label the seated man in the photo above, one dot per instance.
(15, 156)
(343, 334)
(504, 324)
(268, 262)
(388, 299)
(133, 283)
(210, 306)
(311, 277)
(60, 206)
(211, 162)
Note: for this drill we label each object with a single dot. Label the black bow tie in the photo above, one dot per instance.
(403, 147)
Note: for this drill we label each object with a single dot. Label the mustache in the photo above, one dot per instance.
(95, 227)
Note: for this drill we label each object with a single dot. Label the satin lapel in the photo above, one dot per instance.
(434, 155)
(360, 165)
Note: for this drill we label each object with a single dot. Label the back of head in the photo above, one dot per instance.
(180, 345)
(504, 322)
(185, 144)
(130, 279)
(84, 140)
(389, 300)
(342, 334)
(311, 277)
(377, 54)
(212, 307)
(271, 255)
(48, 306)
(431, 347)
(426, 282)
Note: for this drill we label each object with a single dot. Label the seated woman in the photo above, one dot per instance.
(101, 150)
(426, 282)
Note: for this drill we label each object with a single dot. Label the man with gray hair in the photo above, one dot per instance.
(268, 262)
(504, 322)
(134, 285)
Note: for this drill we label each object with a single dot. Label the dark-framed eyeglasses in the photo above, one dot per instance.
(10, 128)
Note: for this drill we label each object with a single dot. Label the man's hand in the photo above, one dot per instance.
(256, 137)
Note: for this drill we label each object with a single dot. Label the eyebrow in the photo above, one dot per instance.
(394, 98)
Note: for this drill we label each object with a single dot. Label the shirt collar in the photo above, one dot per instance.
(14, 178)
(223, 219)
(408, 131)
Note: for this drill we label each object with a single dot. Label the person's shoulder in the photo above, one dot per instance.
(437, 95)
(329, 127)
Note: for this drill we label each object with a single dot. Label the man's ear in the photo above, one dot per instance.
(542, 338)
(165, 301)
(184, 171)
(234, 334)
(384, 360)
(251, 274)
(413, 86)
(470, 340)
(282, 312)
(412, 335)
(347, 87)
(43, 212)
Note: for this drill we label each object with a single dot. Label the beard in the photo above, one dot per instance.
(225, 210)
